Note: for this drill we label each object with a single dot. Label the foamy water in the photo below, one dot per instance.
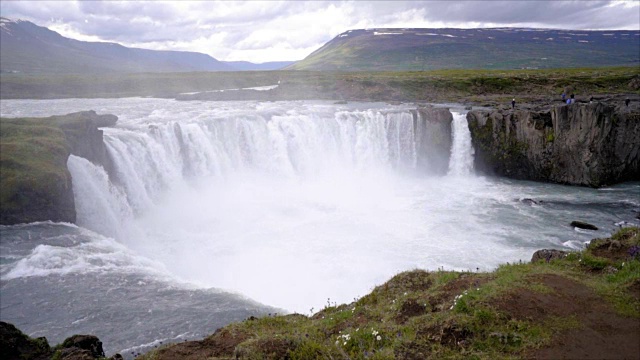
(284, 203)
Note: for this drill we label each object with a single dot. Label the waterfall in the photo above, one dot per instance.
(100, 206)
(151, 160)
(461, 161)
(235, 196)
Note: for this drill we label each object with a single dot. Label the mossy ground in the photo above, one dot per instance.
(33, 163)
(518, 311)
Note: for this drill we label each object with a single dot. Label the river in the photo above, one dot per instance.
(221, 210)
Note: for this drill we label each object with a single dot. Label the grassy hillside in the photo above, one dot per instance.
(431, 49)
(440, 85)
(580, 305)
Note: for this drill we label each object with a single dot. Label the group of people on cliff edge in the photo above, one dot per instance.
(570, 100)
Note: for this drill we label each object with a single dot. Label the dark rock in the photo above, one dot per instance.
(15, 345)
(432, 138)
(583, 225)
(85, 342)
(85, 138)
(528, 201)
(548, 255)
(580, 144)
(116, 357)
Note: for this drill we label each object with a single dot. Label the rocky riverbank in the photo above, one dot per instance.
(560, 305)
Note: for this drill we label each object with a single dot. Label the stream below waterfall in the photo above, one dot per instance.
(217, 211)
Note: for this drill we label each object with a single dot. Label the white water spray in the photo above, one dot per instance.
(100, 206)
(261, 201)
(461, 162)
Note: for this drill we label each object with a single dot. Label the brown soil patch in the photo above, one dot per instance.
(448, 334)
(221, 344)
(634, 289)
(603, 333)
(409, 309)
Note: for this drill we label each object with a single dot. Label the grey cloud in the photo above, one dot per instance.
(250, 25)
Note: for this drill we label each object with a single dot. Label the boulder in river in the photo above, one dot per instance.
(583, 225)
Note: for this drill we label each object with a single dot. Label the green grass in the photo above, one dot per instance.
(442, 85)
(32, 162)
(441, 314)
(35, 182)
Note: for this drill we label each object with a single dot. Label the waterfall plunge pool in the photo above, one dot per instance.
(218, 210)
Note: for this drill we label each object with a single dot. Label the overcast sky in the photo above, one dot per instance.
(260, 31)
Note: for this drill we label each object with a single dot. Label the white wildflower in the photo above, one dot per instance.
(378, 337)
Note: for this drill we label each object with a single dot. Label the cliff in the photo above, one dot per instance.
(36, 185)
(579, 144)
(432, 138)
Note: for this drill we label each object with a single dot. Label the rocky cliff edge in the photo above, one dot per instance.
(588, 144)
(36, 184)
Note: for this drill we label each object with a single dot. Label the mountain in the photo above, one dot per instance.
(28, 48)
(497, 48)
(249, 66)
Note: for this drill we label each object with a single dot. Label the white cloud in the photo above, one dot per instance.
(261, 31)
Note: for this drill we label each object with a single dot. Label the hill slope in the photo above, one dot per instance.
(500, 48)
(29, 48)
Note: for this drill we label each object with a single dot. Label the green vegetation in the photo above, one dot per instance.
(432, 49)
(511, 313)
(35, 182)
(438, 85)
(33, 165)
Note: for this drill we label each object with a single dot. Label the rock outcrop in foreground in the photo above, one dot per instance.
(579, 144)
(15, 345)
(36, 184)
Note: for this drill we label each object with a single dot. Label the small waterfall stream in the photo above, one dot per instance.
(461, 162)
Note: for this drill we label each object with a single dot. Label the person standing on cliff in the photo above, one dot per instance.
(564, 97)
(513, 103)
(626, 102)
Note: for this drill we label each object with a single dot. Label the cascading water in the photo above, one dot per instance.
(461, 162)
(261, 188)
(287, 203)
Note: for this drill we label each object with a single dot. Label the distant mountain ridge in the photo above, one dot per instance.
(28, 48)
(496, 48)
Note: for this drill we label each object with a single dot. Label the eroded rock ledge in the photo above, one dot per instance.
(584, 144)
(36, 184)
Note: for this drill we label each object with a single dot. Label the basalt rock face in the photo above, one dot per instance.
(579, 144)
(432, 132)
(84, 136)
